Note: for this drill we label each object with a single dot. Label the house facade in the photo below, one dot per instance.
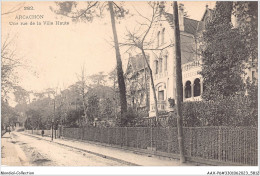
(163, 63)
(137, 80)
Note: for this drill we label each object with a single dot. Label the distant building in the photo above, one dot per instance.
(137, 80)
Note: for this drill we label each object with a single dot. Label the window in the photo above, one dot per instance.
(161, 95)
(163, 31)
(165, 63)
(197, 87)
(160, 65)
(188, 89)
(158, 39)
(156, 66)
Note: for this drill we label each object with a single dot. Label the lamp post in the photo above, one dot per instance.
(52, 121)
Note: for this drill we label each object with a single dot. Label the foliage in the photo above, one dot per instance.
(33, 120)
(135, 118)
(73, 118)
(223, 55)
(246, 13)
(238, 110)
(93, 107)
(86, 11)
(8, 115)
(98, 79)
(106, 108)
(9, 64)
(101, 103)
(21, 95)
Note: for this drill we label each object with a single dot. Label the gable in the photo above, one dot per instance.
(136, 63)
(190, 25)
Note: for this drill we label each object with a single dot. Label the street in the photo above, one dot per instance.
(23, 149)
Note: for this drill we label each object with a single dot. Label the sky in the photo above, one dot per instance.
(56, 53)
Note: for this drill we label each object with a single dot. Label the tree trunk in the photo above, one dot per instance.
(153, 88)
(121, 81)
(179, 91)
(146, 89)
(84, 109)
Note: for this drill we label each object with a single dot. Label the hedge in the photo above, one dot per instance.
(232, 111)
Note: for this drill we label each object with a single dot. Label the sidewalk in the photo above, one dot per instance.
(121, 155)
(12, 155)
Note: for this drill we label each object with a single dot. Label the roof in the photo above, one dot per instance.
(208, 10)
(136, 63)
(190, 25)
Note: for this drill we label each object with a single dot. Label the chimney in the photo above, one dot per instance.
(181, 17)
(162, 7)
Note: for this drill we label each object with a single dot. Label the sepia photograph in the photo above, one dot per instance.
(129, 83)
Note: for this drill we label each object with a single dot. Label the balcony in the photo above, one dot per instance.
(191, 65)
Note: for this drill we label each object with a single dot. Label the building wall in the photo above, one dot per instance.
(165, 80)
(135, 86)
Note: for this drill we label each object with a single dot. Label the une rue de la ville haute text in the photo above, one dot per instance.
(36, 17)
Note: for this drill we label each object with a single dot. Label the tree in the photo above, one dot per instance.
(100, 103)
(223, 55)
(82, 88)
(8, 114)
(10, 62)
(34, 117)
(137, 40)
(87, 14)
(246, 13)
(21, 95)
(112, 76)
(120, 75)
(98, 79)
(93, 107)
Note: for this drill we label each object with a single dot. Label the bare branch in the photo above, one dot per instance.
(160, 49)
(83, 13)
(141, 15)
(116, 5)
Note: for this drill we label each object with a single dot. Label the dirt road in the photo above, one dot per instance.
(19, 149)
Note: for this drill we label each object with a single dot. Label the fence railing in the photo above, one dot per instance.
(230, 145)
(46, 132)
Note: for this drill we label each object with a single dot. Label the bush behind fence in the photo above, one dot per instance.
(231, 145)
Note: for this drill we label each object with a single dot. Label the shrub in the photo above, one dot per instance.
(238, 110)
